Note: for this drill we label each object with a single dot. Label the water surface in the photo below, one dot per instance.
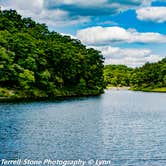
(128, 128)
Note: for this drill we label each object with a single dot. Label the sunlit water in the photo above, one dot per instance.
(128, 128)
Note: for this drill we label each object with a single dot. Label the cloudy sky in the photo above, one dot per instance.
(129, 32)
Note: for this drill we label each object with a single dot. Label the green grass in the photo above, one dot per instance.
(163, 89)
(149, 89)
(36, 94)
(4, 92)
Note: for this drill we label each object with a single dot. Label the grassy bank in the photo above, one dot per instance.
(10, 95)
(38, 95)
(118, 87)
(147, 89)
(150, 89)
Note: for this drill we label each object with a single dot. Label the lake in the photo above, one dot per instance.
(125, 127)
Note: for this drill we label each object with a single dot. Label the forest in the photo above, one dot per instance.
(38, 63)
(149, 77)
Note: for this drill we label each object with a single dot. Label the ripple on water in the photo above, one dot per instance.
(125, 127)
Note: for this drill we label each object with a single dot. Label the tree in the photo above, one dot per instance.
(33, 58)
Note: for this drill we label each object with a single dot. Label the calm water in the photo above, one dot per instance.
(128, 128)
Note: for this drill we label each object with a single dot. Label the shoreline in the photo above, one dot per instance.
(63, 96)
(118, 88)
(73, 95)
(157, 90)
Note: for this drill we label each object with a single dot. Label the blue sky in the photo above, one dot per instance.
(130, 32)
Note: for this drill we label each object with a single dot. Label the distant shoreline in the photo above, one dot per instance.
(118, 88)
(149, 89)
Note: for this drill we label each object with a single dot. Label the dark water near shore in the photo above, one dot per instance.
(128, 128)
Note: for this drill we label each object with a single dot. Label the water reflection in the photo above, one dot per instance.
(127, 127)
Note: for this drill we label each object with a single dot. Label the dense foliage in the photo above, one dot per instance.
(37, 62)
(149, 77)
(117, 75)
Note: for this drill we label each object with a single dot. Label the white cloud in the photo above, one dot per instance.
(92, 7)
(95, 3)
(74, 12)
(155, 14)
(128, 56)
(69, 12)
(33, 6)
(80, 2)
(36, 11)
(134, 62)
(78, 11)
(104, 35)
(59, 18)
(67, 34)
(146, 2)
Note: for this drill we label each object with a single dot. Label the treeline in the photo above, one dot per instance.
(37, 62)
(149, 77)
(117, 75)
